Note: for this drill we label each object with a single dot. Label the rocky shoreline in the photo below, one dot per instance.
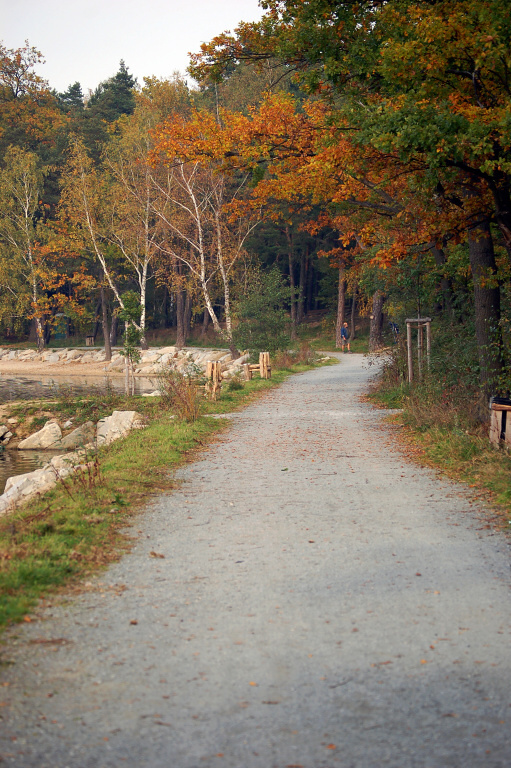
(73, 361)
(85, 439)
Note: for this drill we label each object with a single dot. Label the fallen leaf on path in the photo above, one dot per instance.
(251, 683)
(133, 621)
(331, 746)
(155, 554)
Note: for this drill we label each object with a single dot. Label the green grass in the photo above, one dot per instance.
(79, 526)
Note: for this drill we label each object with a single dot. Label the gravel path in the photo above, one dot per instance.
(318, 602)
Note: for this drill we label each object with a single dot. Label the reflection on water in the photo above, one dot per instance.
(25, 388)
(14, 462)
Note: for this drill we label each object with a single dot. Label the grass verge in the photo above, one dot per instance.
(80, 526)
(443, 438)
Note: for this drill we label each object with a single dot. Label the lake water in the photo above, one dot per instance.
(46, 387)
(14, 462)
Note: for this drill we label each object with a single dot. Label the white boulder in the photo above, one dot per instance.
(117, 425)
(45, 438)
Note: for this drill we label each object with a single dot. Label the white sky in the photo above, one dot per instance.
(84, 40)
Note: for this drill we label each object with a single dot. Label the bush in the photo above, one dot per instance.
(180, 393)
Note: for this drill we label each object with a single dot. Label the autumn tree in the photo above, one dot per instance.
(207, 228)
(419, 91)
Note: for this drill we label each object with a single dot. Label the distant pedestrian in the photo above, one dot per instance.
(345, 337)
(395, 331)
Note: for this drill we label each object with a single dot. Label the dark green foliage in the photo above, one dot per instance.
(130, 314)
(72, 98)
(114, 97)
(262, 318)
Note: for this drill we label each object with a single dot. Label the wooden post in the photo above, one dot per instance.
(264, 365)
(420, 322)
(428, 343)
(214, 378)
(419, 349)
(409, 348)
(247, 372)
(495, 426)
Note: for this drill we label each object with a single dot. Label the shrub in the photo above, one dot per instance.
(180, 393)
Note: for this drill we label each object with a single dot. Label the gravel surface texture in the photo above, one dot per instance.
(315, 600)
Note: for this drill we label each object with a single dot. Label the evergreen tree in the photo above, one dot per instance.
(71, 100)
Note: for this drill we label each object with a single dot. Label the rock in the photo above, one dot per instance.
(6, 438)
(149, 356)
(73, 354)
(241, 360)
(30, 483)
(156, 393)
(21, 488)
(78, 437)
(13, 354)
(67, 424)
(45, 438)
(13, 420)
(116, 364)
(3, 430)
(116, 426)
(65, 464)
(53, 358)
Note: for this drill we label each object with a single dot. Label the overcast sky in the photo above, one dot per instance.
(84, 40)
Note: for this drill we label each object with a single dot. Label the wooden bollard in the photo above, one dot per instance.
(264, 365)
(214, 378)
(247, 371)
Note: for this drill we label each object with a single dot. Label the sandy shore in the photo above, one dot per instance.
(20, 368)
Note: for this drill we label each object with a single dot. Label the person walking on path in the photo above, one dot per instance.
(345, 337)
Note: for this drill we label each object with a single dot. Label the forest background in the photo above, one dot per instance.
(347, 157)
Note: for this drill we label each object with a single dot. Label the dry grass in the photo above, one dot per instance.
(180, 393)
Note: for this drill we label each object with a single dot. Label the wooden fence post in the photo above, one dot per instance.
(214, 378)
(264, 365)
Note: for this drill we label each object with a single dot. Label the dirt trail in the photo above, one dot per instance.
(320, 602)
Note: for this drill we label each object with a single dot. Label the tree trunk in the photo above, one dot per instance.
(376, 327)
(180, 319)
(487, 305)
(292, 285)
(445, 282)
(205, 323)
(106, 332)
(113, 331)
(353, 311)
(301, 290)
(96, 320)
(187, 315)
(341, 298)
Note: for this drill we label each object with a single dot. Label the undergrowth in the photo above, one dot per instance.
(446, 416)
